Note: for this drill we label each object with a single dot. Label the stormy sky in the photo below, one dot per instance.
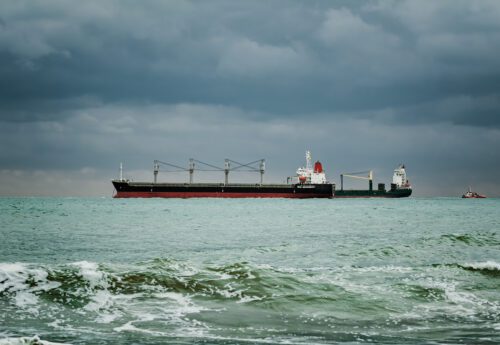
(362, 84)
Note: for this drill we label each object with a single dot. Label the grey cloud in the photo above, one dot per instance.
(283, 57)
(107, 135)
(91, 84)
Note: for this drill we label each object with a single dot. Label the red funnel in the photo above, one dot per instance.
(318, 168)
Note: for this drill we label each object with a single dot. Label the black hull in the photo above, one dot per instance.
(216, 190)
(125, 189)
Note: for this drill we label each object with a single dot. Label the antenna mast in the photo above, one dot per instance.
(262, 169)
(227, 167)
(308, 161)
(156, 168)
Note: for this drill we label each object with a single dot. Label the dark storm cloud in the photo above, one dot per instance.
(280, 57)
(364, 84)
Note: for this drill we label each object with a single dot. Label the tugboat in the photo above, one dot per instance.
(473, 195)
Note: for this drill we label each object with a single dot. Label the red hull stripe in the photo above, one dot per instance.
(216, 195)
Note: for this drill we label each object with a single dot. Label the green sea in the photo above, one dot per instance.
(249, 271)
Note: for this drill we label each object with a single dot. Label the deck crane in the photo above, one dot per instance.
(358, 175)
(239, 167)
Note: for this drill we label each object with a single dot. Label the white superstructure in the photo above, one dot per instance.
(399, 177)
(310, 175)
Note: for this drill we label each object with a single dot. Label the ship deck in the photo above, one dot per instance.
(242, 185)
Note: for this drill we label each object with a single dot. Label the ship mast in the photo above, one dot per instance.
(308, 161)
(156, 168)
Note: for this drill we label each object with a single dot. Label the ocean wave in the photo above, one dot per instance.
(97, 288)
(104, 290)
(24, 283)
(473, 239)
(90, 287)
(486, 265)
(491, 268)
(441, 296)
(488, 268)
(168, 297)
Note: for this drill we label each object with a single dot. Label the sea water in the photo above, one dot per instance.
(249, 271)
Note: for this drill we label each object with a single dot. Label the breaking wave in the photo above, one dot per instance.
(487, 267)
(168, 298)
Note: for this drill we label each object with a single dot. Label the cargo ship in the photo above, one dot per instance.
(309, 182)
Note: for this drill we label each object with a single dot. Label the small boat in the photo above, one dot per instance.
(473, 195)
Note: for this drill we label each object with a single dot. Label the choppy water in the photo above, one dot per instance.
(105, 271)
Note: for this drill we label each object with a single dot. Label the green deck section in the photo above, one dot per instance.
(397, 193)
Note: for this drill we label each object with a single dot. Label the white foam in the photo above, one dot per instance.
(487, 265)
(102, 301)
(224, 276)
(229, 292)
(247, 299)
(456, 303)
(107, 317)
(14, 278)
(27, 341)
(184, 304)
(90, 272)
(129, 327)
(169, 308)
(341, 269)
(387, 268)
